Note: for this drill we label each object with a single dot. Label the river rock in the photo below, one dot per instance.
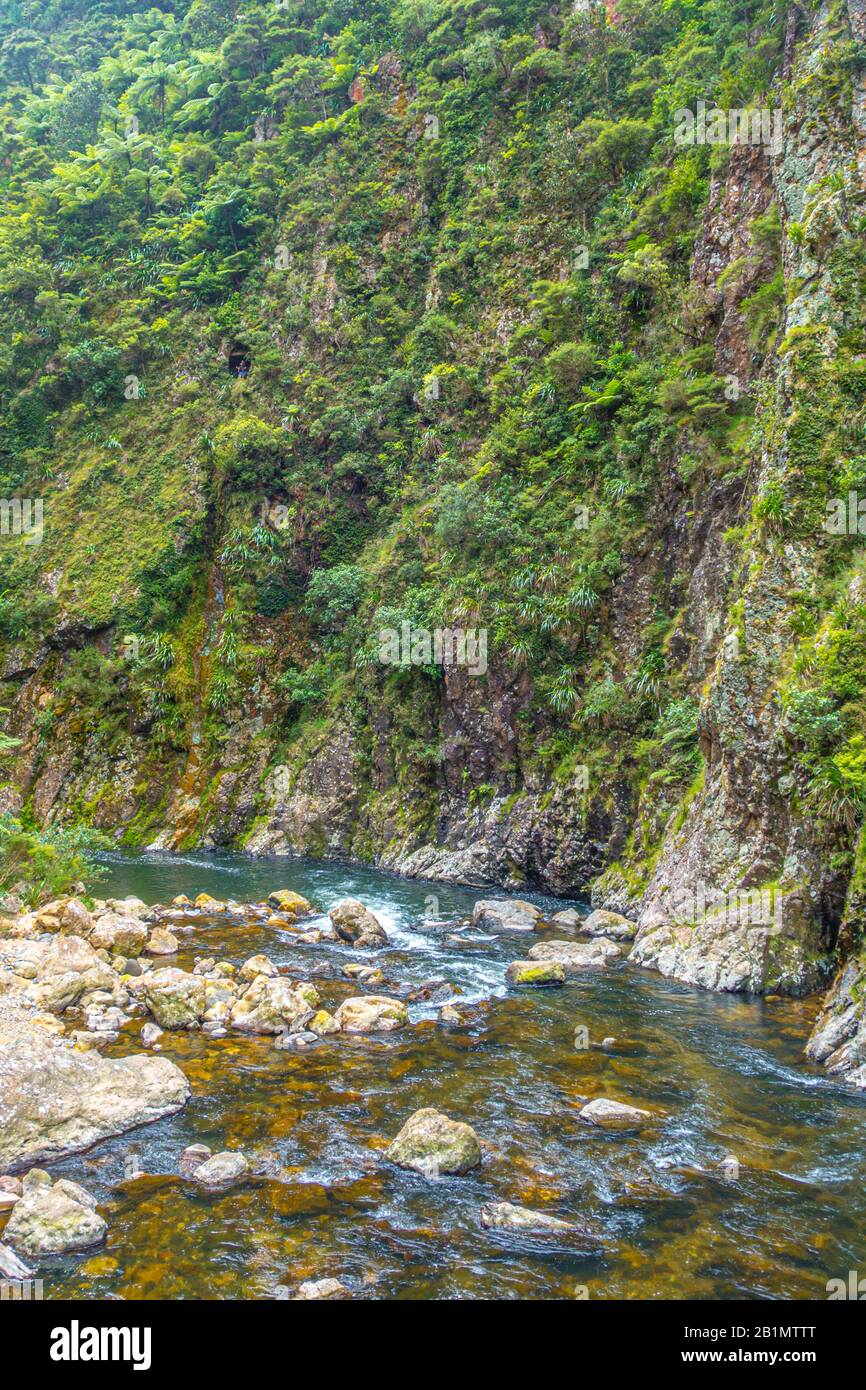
(175, 997)
(255, 966)
(124, 936)
(161, 942)
(272, 1005)
(297, 1042)
(222, 1170)
(504, 1216)
(150, 1034)
(65, 915)
(128, 907)
(62, 970)
(193, 1157)
(289, 904)
(610, 924)
(535, 974)
(355, 923)
(10, 1265)
(505, 914)
(613, 1114)
(320, 1289)
(371, 1013)
(574, 956)
(323, 1024)
(50, 1220)
(431, 1144)
(55, 1100)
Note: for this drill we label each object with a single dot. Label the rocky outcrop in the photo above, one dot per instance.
(838, 1040)
(54, 1100)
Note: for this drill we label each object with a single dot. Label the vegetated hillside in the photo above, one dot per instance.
(518, 362)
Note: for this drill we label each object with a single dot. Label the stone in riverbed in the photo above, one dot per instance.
(610, 924)
(255, 966)
(150, 1034)
(222, 1170)
(65, 915)
(319, 1289)
(431, 1144)
(161, 943)
(289, 904)
(504, 1216)
(505, 914)
(297, 1042)
(371, 1013)
(174, 997)
(533, 974)
(576, 955)
(192, 1158)
(272, 1005)
(10, 1265)
(612, 1114)
(355, 923)
(50, 1220)
(55, 1100)
(323, 1024)
(124, 936)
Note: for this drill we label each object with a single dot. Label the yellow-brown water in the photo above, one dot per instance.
(672, 1217)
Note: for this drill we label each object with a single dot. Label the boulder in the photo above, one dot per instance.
(255, 966)
(55, 1100)
(432, 1144)
(505, 914)
(174, 997)
(504, 1216)
(221, 1171)
(612, 1114)
(150, 1034)
(610, 924)
(50, 1220)
(535, 974)
(193, 1157)
(371, 1013)
(161, 943)
(319, 1289)
(273, 1005)
(124, 936)
(574, 956)
(323, 1024)
(355, 923)
(290, 904)
(65, 915)
(128, 907)
(62, 970)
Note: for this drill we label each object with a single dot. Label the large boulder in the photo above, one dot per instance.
(574, 956)
(121, 935)
(431, 1144)
(55, 1100)
(289, 904)
(174, 997)
(505, 914)
(610, 924)
(535, 974)
(273, 1005)
(65, 915)
(50, 1220)
(371, 1013)
(59, 970)
(255, 966)
(355, 923)
(221, 1171)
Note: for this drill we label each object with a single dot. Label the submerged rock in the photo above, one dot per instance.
(371, 1013)
(49, 1220)
(431, 1144)
(356, 924)
(505, 914)
(319, 1289)
(574, 956)
(55, 1100)
(613, 1114)
(504, 1216)
(534, 974)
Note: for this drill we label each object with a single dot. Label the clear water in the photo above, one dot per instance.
(725, 1074)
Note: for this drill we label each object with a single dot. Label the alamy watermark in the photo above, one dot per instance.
(743, 907)
(713, 126)
(22, 516)
(846, 516)
(21, 1290)
(449, 646)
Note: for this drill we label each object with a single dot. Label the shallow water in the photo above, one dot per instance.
(666, 1218)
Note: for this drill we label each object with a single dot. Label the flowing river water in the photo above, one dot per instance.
(749, 1186)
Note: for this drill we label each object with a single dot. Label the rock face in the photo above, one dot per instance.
(613, 1114)
(504, 1216)
(505, 914)
(50, 1220)
(371, 1013)
(55, 1101)
(535, 974)
(353, 922)
(838, 1040)
(432, 1144)
(574, 956)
